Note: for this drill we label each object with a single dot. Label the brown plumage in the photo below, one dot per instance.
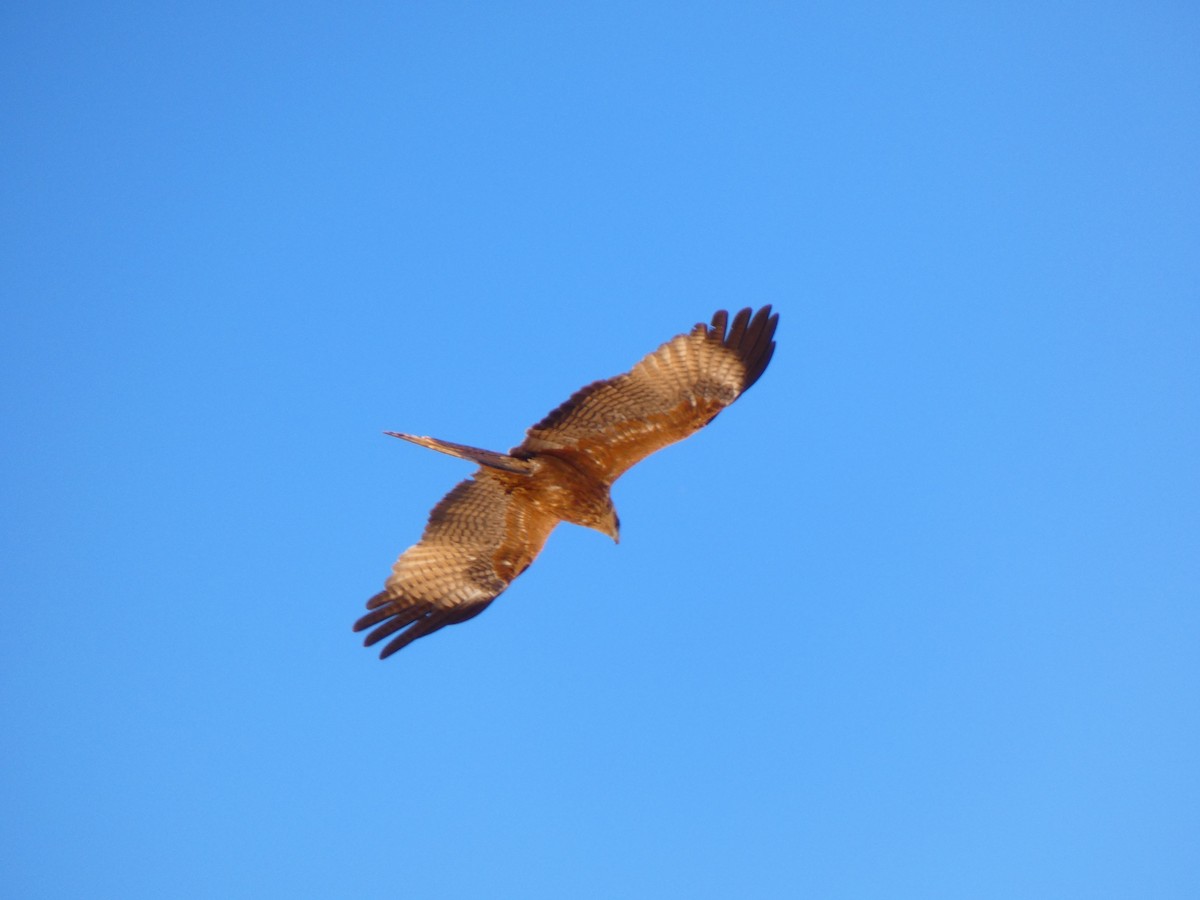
(487, 531)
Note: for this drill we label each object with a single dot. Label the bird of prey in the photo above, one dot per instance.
(489, 528)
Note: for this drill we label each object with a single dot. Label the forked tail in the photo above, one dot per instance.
(489, 458)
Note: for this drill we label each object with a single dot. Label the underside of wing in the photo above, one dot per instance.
(610, 425)
(479, 538)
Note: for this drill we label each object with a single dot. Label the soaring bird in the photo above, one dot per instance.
(489, 528)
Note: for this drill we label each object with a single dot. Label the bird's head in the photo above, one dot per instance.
(603, 518)
(612, 524)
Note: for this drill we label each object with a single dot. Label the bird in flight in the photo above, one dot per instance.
(489, 528)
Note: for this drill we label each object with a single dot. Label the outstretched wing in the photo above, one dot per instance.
(610, 425)
(480, 537)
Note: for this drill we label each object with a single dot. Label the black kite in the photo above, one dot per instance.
(487, 531)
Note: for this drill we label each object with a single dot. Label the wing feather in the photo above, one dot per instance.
(608, 426)
(480, 536)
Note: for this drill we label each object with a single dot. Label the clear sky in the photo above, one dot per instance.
(918, 617)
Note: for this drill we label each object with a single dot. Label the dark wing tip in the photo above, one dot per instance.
(391, 612)
(719, 320)
(750, 337)
(388, 613)
(426, 623)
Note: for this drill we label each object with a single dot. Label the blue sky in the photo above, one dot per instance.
(917, 617)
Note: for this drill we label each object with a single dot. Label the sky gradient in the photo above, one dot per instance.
(917, 617)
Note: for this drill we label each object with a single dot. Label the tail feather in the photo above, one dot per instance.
(484, 457)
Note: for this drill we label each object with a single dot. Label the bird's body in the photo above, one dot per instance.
(489, 528)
